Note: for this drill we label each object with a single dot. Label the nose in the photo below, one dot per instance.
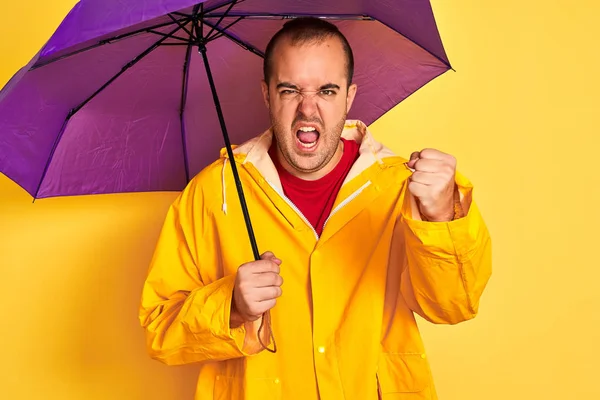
(307, 105)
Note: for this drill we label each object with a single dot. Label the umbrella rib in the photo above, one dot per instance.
(181, 26)
(171, 36)
(142, 30)
(238, 41)
(203, 11)
(211, 9)
(447, 64)
(200, 8)
(106, 41)
(218, 35)
(83, 103)
(184, 86)
(182, 14)
(341, 17)
(200, 28)
(220, 19)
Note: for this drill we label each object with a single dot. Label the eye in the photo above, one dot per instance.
(327, 92)
(288, 91)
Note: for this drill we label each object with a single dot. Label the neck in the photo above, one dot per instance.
(312, 175)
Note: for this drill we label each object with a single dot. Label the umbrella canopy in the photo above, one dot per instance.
(123, 97)
(119, 99)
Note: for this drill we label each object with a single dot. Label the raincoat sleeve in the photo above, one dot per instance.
(448, 263)
(185, 314)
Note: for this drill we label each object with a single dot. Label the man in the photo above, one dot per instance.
(355, 239)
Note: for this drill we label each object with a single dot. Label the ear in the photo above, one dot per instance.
(265, 92)
(350, 97)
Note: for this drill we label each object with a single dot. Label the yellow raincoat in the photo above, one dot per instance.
(344, 326)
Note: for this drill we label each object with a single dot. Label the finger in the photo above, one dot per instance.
(260, 267)
(418, 189)
(268, 279)
(266, 305)
(429, 165)
(413, 158)
(423, 178)
(269, 293)
(270, 257)
(258, 308)
(434, 154)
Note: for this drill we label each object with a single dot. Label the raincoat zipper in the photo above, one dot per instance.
(347, 200)
(335, 210)
(284, 197)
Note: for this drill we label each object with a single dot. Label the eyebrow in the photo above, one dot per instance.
(329, 86)
(289, 85)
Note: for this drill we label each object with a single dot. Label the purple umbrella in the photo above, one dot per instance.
(122, 97)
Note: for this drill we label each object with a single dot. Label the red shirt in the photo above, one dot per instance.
(315, 199)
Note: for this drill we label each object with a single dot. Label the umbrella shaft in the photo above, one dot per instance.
(238, 183)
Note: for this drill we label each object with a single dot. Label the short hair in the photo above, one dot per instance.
(307, 29)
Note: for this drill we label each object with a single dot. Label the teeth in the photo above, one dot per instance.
(307, 129)
(307, 145)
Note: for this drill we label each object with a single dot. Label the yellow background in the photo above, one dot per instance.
(521, 115)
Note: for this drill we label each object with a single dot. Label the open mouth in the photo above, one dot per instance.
(308, 137)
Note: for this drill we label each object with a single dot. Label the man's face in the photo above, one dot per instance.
(308, 100)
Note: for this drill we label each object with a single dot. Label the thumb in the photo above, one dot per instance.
(267, 255)
(414, 157)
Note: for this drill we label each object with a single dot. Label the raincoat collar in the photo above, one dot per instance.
(256, 152)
